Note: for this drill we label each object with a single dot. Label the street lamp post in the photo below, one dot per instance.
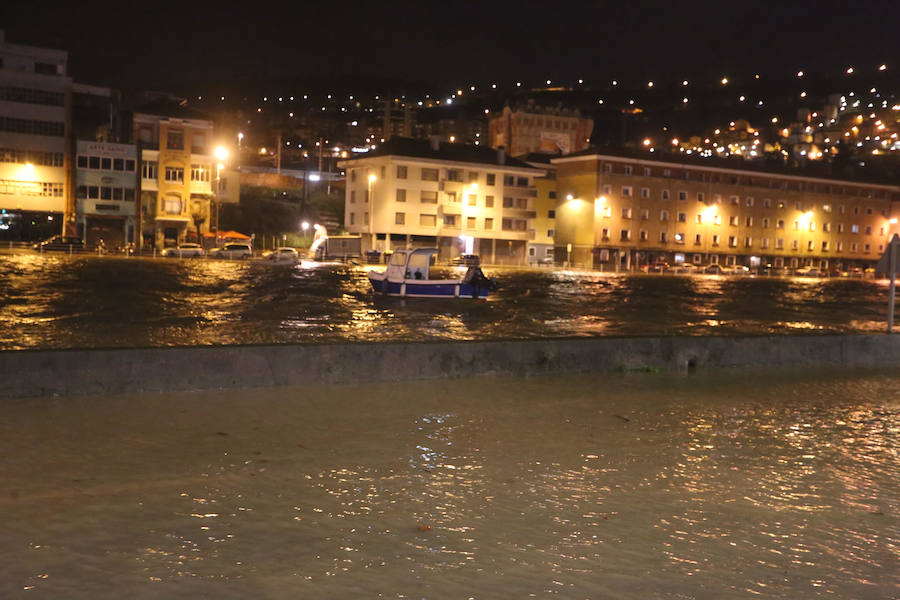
(221, 153)
(371, 200)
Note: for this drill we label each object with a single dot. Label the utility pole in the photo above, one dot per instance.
(278, 155)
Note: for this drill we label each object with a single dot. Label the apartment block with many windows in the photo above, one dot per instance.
(105, 192)
(618, 212)
(35, 118)
(462, 199)
(178, 174)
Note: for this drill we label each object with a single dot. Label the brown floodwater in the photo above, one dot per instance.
(642, 486)
(57, 301)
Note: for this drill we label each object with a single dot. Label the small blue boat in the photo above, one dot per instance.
(406, 276)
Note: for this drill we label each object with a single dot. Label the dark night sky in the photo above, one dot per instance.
(198, 46)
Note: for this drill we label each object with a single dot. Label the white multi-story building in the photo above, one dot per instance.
(35, 101)
(459, 198)
(105, 192)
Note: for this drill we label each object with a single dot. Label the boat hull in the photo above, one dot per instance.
(431, 288)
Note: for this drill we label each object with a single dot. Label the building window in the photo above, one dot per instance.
(780, 224)
(795, 245)
(698, 239)
(106, 164)
(868, 230)
(626, 191)
(489, 202)
(199, 173)
(428, 197)
(733, 221)
(645, 193)
(488, 223)
(551, 233)
(607, 189)
(472, 200)
(749, 221)
(663, 215)
(854, 229)
(625, 235)
(473, 176)
(607, 167)
(172, 204)
(663, 237)
(94, 162)
(715, 240)
(699, 196)
(810, 245)
(699, 218)
(399, 218)
(454, 175)
(779, 244)
(198, 143)
(429, 174)
(604, 233)
(736, 200)
(175, 139)
(645, 214)
(148, 169)
(401, 195)
(626, 213)
(825, 246)
(401, 171)
(665, 194)
(490, 178)
(643, 235)
(352, 196)
(175, 174)
(749, 201)
(352, 218)
(626, 169)
(748, 242)
(764, 243)
(682, 217)
(732, 241)
(470, 223)
(428, 220)
(765, 222)
(682, 195)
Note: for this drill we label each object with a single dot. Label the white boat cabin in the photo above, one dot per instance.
(410, 264)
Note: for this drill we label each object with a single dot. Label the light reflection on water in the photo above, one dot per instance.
(69, 302)
(723, 485)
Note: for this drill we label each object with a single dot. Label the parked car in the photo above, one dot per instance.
(283, 255)
(232, 250)
(466, 260)
(809, 271)
(184, 251)
(738, 270)
(60, 243)
(713, 269)
(686, 268)
(655, 267)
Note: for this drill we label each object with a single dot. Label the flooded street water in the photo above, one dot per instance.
(718, 485)
(81, 302)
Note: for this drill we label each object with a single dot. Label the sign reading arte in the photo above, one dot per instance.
(107, 149)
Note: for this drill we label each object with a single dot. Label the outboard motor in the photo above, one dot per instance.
(478, 280)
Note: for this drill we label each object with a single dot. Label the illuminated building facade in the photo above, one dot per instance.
(178, 174)
(618, 212)
(35, 119)
(462, 199)
(105, 192)
(533, 128)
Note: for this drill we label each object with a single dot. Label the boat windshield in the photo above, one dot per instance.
(418, 264)
(398, 259)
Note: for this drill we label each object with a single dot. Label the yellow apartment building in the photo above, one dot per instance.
(618, 212)
(178, 174)
(462, 199)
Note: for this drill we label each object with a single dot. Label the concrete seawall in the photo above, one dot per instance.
(76, 372)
